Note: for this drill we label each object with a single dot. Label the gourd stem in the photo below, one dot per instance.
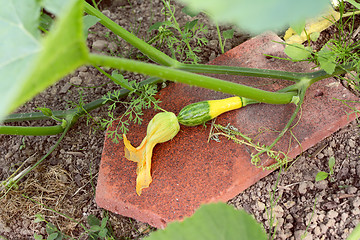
(192, 79)
(17, 117)
(31, 131)
(250, 72)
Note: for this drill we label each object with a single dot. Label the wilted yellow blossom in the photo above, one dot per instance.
(314, 25)
(163, 127)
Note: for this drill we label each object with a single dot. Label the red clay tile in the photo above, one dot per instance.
(188, 170)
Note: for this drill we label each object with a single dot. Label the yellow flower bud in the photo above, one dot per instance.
(163, 127)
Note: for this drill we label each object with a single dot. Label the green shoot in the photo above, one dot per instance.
(228, 34)
(177, 38)
(99, 228)
(324, 175)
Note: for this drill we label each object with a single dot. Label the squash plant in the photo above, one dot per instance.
(31, 61)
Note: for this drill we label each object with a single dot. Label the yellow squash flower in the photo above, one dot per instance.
(163, 127)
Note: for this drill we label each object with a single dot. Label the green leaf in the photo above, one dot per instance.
(19, 46)
(119, 79)
(321, 176)
(89, 21)
(212, 222)
(257, 16)
(155, 26)
(298, 27)
(27, 64)
(228, 34)
(51, 228)
(104, 222)
(53, 236)
(297, 51)
(38, 218)
(331, 163)
(314, 36)
(95, 228)
(190, 25)
(37, 236)
(103, 233)
(93, 221)
(326, 59)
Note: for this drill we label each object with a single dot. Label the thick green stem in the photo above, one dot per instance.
(251, 72)
(192, 79)
(17, 117)
(145, 48)
(31, 131)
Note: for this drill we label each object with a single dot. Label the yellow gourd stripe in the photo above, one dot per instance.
(218, 107)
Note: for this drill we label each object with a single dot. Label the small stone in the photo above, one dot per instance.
(99, 45)
(332, 214)
(356, 202)
(352, 190)
(53, 90)
(279, 222)
(65, 88)
(321, 184)
(76, 80)
(310, 218)
(288, 226)
(82, 69)
(213, 44)
(317, 231)
(351, 143)
(329, 152)
(302, 188)
(343, 173)
(278, 211)
(320, 156)
(106, 13)
(344, 216)
(212, 56)
(331, 223)
(289, 204)
(261, 206)
(356, 211)
(323, 228)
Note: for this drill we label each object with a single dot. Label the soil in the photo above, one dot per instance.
(62, 188)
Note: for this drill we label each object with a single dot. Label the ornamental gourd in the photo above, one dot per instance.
(198, 113)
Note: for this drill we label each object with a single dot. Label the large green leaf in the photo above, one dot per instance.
(28, 64)
(19, 46)
(256, 16)
(213, 222)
